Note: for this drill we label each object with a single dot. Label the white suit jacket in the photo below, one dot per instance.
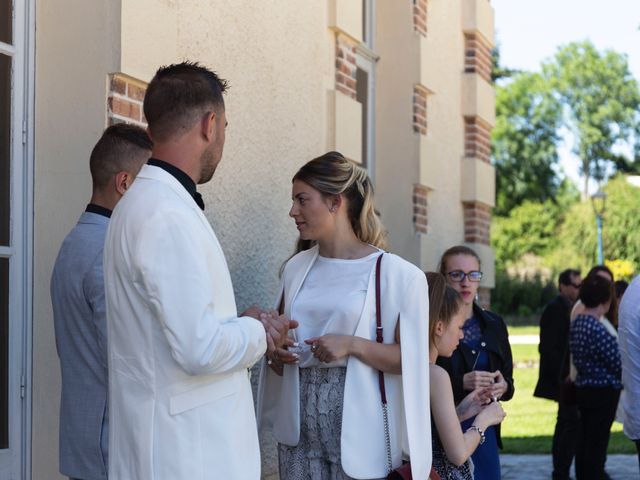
(404, 296)
(180, 399)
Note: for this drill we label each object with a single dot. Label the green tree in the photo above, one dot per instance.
(524, 141)
(601, 105)
(529, 228)
(576, 238)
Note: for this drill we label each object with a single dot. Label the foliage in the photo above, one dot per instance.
(499, 71)
(561, 236)
(520, 296)
(590, 94)
(601, 102)
(621, 227)
(528, 228)
(524, 141)
(622, 269)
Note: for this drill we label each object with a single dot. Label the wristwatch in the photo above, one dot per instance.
(479, 430)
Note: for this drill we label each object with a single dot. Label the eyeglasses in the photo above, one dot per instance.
(458, 276)
(575, 285)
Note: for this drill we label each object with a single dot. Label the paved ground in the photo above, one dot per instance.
(538, 467)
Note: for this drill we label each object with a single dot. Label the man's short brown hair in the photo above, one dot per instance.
(121, 147)
(178, 95)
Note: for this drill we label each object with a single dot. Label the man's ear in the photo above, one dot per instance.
(208, 126)
(123, 181)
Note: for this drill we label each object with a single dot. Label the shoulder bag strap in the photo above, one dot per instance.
(383, 393)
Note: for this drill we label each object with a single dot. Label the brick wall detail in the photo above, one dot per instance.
(346, 66)
(124, 100)
(477, 222)
(477, 55)
(477, 139)
(420, 109)
(420, 17)
(420, 193)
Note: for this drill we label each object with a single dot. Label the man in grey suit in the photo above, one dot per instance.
(78, 298)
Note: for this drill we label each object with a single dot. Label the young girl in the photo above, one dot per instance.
(451, 446)
(483, 357)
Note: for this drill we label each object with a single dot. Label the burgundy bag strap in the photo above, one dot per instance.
(383, 393)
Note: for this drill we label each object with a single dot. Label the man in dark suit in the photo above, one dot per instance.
(554, 368)
(78, 298)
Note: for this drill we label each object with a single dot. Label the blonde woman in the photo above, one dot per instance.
(324, 401)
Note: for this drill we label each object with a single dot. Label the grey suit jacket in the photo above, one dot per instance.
(77, 295)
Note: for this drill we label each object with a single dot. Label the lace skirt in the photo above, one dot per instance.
(317, 455)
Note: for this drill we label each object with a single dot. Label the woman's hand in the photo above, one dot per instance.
(499, 387)
(478, 379)
(492, 414)
(330, 348)
(473, 404)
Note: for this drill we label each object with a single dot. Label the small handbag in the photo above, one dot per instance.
(403, 472)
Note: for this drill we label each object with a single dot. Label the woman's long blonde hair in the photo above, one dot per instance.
(333, 174)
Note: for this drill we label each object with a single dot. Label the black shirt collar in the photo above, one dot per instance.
(184, 179)
(93, 208)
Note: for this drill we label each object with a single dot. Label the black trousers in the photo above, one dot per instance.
(637, 442)
(597, 408)
(565, 439)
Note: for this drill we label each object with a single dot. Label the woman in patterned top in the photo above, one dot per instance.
(451, 447)
(596, 358)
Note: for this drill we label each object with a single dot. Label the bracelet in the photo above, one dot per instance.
(479, 430)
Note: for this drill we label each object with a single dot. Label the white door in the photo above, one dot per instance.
(16, 102)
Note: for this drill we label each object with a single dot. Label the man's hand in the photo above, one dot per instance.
(252, 311)
(277, 329)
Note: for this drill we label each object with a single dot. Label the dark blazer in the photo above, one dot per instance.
(554, 344)
(496, 341)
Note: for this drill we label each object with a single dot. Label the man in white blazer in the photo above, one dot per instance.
(180, 396)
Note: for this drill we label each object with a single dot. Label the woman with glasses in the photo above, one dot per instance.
(483, 357)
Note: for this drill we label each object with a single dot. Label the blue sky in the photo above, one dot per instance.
(530, 31)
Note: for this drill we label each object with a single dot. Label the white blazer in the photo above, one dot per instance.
(404, 296)
(180, 400)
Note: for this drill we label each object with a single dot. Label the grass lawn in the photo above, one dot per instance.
(523, 330)
(530, 421)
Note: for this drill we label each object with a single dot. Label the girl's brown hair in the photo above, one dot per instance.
(444, 301)
(453, 251)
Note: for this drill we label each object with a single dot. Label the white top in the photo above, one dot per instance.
(331, 301)
(404, 302)
(629, 338)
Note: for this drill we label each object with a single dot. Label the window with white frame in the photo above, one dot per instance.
(366, 59)
(16, 95)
